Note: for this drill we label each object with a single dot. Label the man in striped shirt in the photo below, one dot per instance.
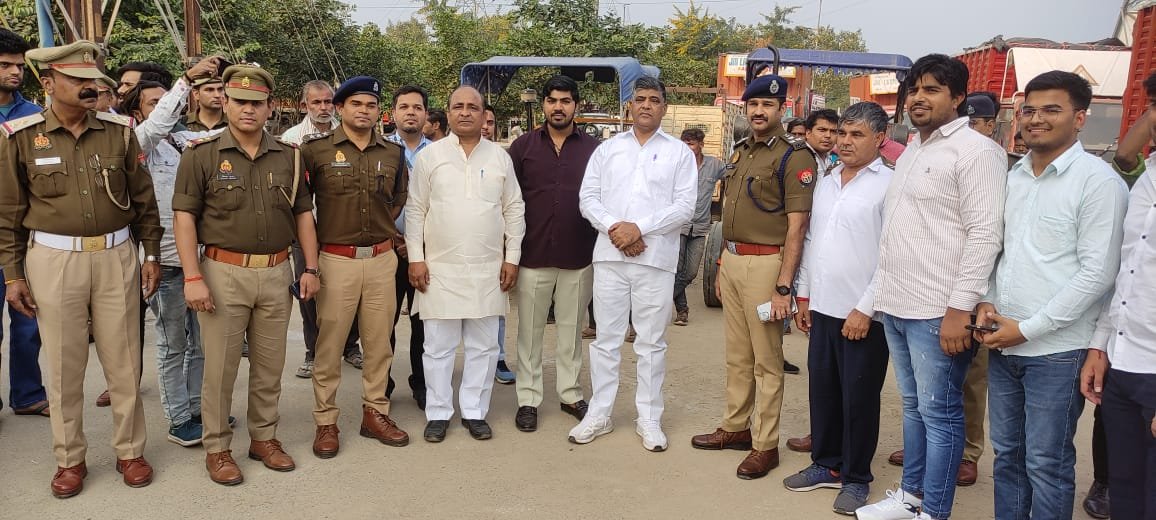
(942, 231)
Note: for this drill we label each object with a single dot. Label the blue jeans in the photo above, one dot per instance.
(1033, 406)
(931, 386)
(180, 356)
(24, 358)
(689, 262)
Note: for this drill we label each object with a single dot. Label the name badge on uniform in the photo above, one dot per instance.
(339, 160)
(225, 172)
(734, 160)
(47, 161)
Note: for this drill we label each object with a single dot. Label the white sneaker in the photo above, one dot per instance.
(590, 428)
(898, 505)
(923, 516)
(651, 432)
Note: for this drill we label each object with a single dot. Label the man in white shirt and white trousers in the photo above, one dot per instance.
(639, 189)
(464, 223)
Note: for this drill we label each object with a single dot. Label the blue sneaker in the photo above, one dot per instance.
(851, 497)
(186, 434)
(504, 375)
(813, 477)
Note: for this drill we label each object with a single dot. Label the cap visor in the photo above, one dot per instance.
(248, 95)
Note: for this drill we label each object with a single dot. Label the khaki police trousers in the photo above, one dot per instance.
(975, 405)
(365, 288)
(69, 288)
(754, 350)
(253, 302)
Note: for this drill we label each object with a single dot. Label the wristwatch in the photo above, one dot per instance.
(150, 258)
(783, 290)
(313, 271)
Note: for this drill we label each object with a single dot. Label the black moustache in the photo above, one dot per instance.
(88, 93)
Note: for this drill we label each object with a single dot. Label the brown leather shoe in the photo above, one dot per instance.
(326, 443)
(758, 464)
(103, 399)
(376, 425)
(69, 482)
(137, 472)
(800, 444)
(223, 469)
(968, 472)
(896, 459)
(272, 455)
(722, 440)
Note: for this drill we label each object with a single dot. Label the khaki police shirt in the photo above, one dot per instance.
(241, 204)
(751, 177)
(355, 190)
(54, 182)
(194, 123)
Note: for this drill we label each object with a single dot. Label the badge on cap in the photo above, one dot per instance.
(339, 157)
(40, 142)
(970, 110)
(806, 177)
(245, 82)
(375, 88)
(774, 87)
(87, 58)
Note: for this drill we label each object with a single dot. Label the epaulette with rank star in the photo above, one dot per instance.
(202, 140)
(287, 144)
(314, 137)
(116, 118)
(795, 142)
(10, 128)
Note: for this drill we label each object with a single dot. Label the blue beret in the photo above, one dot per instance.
(357, 85)
(766, 86)
(980, 106)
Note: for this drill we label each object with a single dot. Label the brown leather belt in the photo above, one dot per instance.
(358, 251)
(740, 248)
(245, 260)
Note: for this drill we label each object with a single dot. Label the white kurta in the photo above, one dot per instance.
(464, 218)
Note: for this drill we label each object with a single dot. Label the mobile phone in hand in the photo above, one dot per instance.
(985, 328)
(295, 289)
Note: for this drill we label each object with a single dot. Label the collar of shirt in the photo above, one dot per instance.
(340, 136)
(545, 132)
(657, 133)
(397, 139)
(268, 144)
(51, 122)
(1058, 166)
(943, 132)
(873, 167)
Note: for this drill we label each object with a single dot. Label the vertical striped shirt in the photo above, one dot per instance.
(942, 224)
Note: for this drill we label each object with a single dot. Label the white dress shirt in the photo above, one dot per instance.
(464, 217)
(942, 224)
(652, 185)
(1126, 329)
(1061, 250)
(296, 133)
(841, 250)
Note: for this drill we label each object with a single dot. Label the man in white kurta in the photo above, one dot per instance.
(464, 223)
(639, 189)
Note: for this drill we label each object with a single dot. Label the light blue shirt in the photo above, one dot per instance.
(1061, 250)
(409, 156)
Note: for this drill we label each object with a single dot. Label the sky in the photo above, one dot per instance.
(909, 27)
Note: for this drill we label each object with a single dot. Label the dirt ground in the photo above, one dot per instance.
(514, 475)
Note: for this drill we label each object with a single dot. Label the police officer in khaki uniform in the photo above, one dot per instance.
(359, 180)
(206, 114)
(242, 195)
(767, 204)
(70, 180)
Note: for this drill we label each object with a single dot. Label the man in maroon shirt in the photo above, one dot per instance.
(556, 252)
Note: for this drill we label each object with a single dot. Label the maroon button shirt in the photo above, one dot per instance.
(556, 233)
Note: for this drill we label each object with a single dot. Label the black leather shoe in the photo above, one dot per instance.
(420, 398)
(435, 431)
(1096, 505)
(788, 368)
(526, 419)
(578, 410)
(478, 428)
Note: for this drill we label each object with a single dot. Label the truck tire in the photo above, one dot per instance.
(710, 265)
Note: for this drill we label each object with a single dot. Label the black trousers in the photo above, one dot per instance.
(309, 313)
(1128, 407)
(846, 378)
(416, 336)
(1099, 448)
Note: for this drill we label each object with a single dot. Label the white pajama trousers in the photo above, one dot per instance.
(624, 293)
(480, 340)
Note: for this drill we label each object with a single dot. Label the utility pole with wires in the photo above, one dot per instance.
(192, 28)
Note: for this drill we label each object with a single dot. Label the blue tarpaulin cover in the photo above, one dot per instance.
(839, 62)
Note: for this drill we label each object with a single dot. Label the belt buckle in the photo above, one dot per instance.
(259, 261)
(93, 243)
(732, 248)
(363, 252)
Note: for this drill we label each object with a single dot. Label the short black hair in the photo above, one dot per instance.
(825, 114)
(947, 71)
(438, 116)
(1150, 84)
(131, 99)
(792, 123)
(1077, 87)
(411, 89)
(12, 43)
(149, 71)
(489, 108)
(694, 134)
(562, 83)
(650, 83)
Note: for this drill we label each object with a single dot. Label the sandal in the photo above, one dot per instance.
(39, 408)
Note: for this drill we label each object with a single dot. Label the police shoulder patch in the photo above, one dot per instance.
(313, 137)
(10, 128)
(795, 142)
(202, 140)
(115, 118)
(287, 144)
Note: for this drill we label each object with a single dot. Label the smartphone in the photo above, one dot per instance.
(222, 64)
(295, 289)
(988, 328)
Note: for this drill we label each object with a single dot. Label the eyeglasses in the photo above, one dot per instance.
(1045, 112)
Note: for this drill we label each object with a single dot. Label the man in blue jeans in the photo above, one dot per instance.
(27, 396)
(1060, 257)
(942, 231)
